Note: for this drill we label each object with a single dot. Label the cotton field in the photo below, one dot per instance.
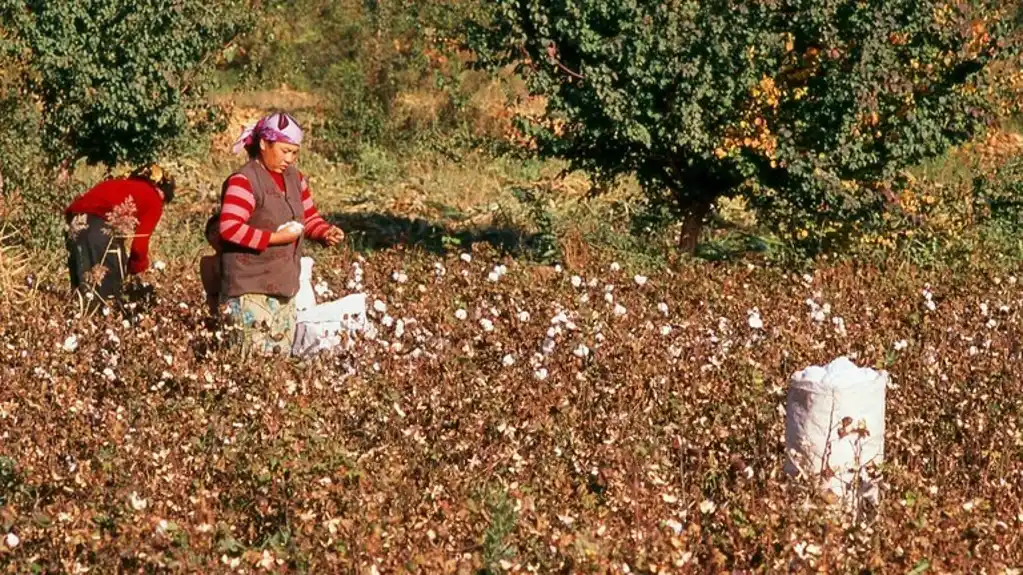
(506, 417)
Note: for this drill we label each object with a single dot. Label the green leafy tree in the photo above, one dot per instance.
(116, 80)
(808, 108)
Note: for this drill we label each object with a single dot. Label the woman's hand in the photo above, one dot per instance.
(334, 236)
(285, 236)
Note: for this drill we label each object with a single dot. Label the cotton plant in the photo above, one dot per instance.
(497, 273)
(839, 324)
(818, 312)
(928, 297)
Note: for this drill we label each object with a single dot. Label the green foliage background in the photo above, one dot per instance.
(810, 112)
(808, 109)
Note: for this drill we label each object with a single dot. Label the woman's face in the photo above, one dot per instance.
(277, 156)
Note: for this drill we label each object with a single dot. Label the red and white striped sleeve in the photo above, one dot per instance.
(235, 210)
(315, 226)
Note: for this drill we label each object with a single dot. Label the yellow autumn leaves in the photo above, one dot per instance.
(753, 131)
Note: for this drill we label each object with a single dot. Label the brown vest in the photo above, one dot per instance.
(275, 271)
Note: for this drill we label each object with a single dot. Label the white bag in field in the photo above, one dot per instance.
(306, 297)
(347, 313)
(834, 426)
(323, 326)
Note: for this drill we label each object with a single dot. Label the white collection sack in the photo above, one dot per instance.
(819, 444)
(323, 326)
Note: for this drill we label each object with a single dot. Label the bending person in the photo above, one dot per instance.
(260, 254)
(109, 228)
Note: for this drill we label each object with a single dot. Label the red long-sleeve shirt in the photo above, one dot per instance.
(239, 202)
(101, 199)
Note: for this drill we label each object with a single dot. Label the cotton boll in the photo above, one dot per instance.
(379, 306)
(665, 330)
(492, 277)
(755, 321)
(663, 308)
(615, 267)
(582, 351)
(461, 314)
(540, 374)
(523, 316)
(466, 258)
(487, 325)
(508, 360)
(839, 325)
(640, 280)
(137, 503)
(609, 298)
(548, 346)
(576, 281)
(70, 344)
(620, 310)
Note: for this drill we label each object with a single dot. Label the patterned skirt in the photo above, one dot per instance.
(261, 324)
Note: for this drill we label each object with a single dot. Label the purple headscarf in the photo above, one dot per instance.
(279, 127)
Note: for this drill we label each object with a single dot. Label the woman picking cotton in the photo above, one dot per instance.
(266, 211)
(109, 228)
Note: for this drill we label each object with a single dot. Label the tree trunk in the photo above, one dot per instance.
(692, 225)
